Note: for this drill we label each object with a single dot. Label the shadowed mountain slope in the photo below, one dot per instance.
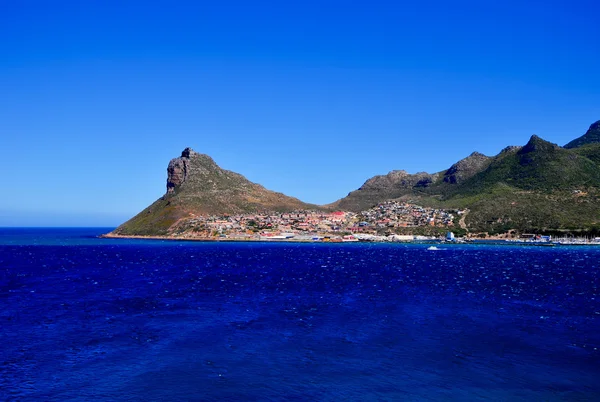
(539, 166)
(590, 137)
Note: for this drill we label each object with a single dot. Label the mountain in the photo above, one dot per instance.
(539, 187)
(536, 187)
(590, 137)
(399, 183)
(538, 166)
(381, 188)
(196, 185)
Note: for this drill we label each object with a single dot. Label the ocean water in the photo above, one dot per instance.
(85, 319)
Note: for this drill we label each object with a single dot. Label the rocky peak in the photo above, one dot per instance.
(591, 136)
(397, 179)
(466, 168)
(189, 164)
(178, 169)
(177, 173)
(537, 144)
(536, 151)
(510, 148)
(188, 152)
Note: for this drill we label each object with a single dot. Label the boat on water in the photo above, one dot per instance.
(432, 248)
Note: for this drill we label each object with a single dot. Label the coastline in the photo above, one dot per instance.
(490, 241)
(204, 239)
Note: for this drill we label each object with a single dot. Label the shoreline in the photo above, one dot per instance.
(498, 241)
(206, 239)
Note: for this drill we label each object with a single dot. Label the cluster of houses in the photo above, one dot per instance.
(314, 225)
(393, 214)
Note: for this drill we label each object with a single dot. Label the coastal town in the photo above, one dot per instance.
(391, 220)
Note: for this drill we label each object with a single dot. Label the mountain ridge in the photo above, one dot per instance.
(522, 187)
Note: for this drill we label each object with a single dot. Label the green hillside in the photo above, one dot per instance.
(536, 187)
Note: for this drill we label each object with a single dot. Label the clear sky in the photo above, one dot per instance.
(307, 98)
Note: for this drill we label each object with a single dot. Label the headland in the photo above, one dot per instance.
(525, 193)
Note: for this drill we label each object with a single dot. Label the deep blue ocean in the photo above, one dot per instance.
(83, 318)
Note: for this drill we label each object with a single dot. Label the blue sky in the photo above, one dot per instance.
(307, 98)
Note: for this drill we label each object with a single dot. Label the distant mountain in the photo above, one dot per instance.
(536, 187)
(590, 137)
(540, 166)
(540, 186)
(399, 183)
(377, 189)
(196, 185)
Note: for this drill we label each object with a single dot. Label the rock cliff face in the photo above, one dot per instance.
(177, 169)
(510, 148)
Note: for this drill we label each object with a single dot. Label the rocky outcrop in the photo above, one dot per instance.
(466, 168)
(177, 169)
(510, 148)
(397, 180)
